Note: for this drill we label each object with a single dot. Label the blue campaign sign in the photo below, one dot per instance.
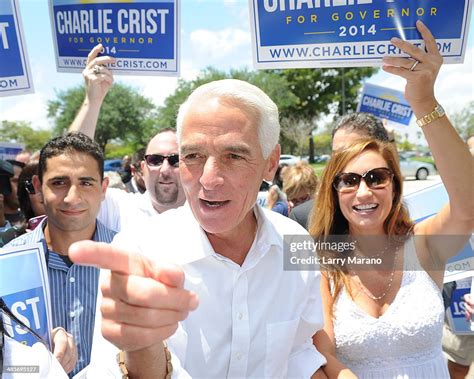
(456, 315)
(25, 289)
(328, 33)
(142, 34)
(385, 103)
(15, 73)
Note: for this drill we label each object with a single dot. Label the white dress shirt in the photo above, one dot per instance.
(254, 320)
(125, 210)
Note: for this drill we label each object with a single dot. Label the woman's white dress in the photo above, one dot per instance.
(405, 342)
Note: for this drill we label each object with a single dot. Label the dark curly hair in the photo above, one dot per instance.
(69, 143)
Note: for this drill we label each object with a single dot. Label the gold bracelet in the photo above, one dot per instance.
(438, 112)
(124, 370)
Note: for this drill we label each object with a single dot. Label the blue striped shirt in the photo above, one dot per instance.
(73, 292)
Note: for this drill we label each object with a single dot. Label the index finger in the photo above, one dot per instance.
(110, 257)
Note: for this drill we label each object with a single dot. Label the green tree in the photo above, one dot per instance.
(125, 116)
(22, 132)
(463, 121)
(275, 86)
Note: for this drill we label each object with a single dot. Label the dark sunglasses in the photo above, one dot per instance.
(156, 160)
(377, 178)
(29, 187)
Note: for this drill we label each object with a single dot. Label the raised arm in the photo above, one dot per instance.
(453, 159)
(98, 80)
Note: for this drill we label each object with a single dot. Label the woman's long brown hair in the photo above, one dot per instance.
(327, 218)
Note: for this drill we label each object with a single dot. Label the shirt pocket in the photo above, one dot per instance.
(280, 337)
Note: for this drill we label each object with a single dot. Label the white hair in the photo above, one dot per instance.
(254, 101)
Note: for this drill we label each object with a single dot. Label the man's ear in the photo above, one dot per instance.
(272, 163)
(105, 184)
(37, 184)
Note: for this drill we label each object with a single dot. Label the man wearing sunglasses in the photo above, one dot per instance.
(160, 168)
(347, 130)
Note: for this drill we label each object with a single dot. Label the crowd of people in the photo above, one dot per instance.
(180, 273)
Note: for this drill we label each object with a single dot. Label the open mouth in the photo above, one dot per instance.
(365, 207)
(214, 204)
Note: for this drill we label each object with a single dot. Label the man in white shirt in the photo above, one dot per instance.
(254, 319)
(121, 210)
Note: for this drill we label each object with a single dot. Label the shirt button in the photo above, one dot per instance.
(240, 315)
(72, 314)
(72, 279)
(239, 356)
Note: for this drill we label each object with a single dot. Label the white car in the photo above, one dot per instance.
(288, 160)
(420, 170)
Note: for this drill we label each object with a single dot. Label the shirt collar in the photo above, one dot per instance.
(266, 237)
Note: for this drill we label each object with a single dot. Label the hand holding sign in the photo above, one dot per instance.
(64, 348)
(142, 302)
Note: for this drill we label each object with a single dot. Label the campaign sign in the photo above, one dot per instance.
(24, 287)
(456, 312)
(142, 34)
(385, 103)
(10, 150)
(427, 202)
(331, 33)
(15, 72)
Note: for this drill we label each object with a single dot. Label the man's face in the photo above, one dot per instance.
(222, 166)
(345, 137)
(162, 182)
(72, 191)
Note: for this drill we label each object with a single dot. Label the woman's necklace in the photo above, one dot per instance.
(390, 281)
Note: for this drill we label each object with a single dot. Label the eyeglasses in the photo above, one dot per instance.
(29, 187)
(156, 160)
(377, 178)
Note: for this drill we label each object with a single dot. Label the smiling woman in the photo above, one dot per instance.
(386, 321)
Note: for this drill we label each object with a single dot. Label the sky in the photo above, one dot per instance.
(213, 33)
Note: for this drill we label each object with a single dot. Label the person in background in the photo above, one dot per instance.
(347, 129)
(299, 183)
(71, 185)
(11, 206)
(276, 200)
(137, 183)
(30, 201)
(23, 157)
(160, 166)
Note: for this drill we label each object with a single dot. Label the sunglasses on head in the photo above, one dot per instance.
(29, 187)
(156, 160)
(377, 178)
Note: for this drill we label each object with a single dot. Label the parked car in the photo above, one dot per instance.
(420, 170)
(288, 160)
(322, 158)
(113, 165)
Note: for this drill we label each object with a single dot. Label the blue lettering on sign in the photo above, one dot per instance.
(292, 22)
(10, 55)
(30, 308)
(134, 30)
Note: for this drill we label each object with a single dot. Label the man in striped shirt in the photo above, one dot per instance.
(72, 186)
